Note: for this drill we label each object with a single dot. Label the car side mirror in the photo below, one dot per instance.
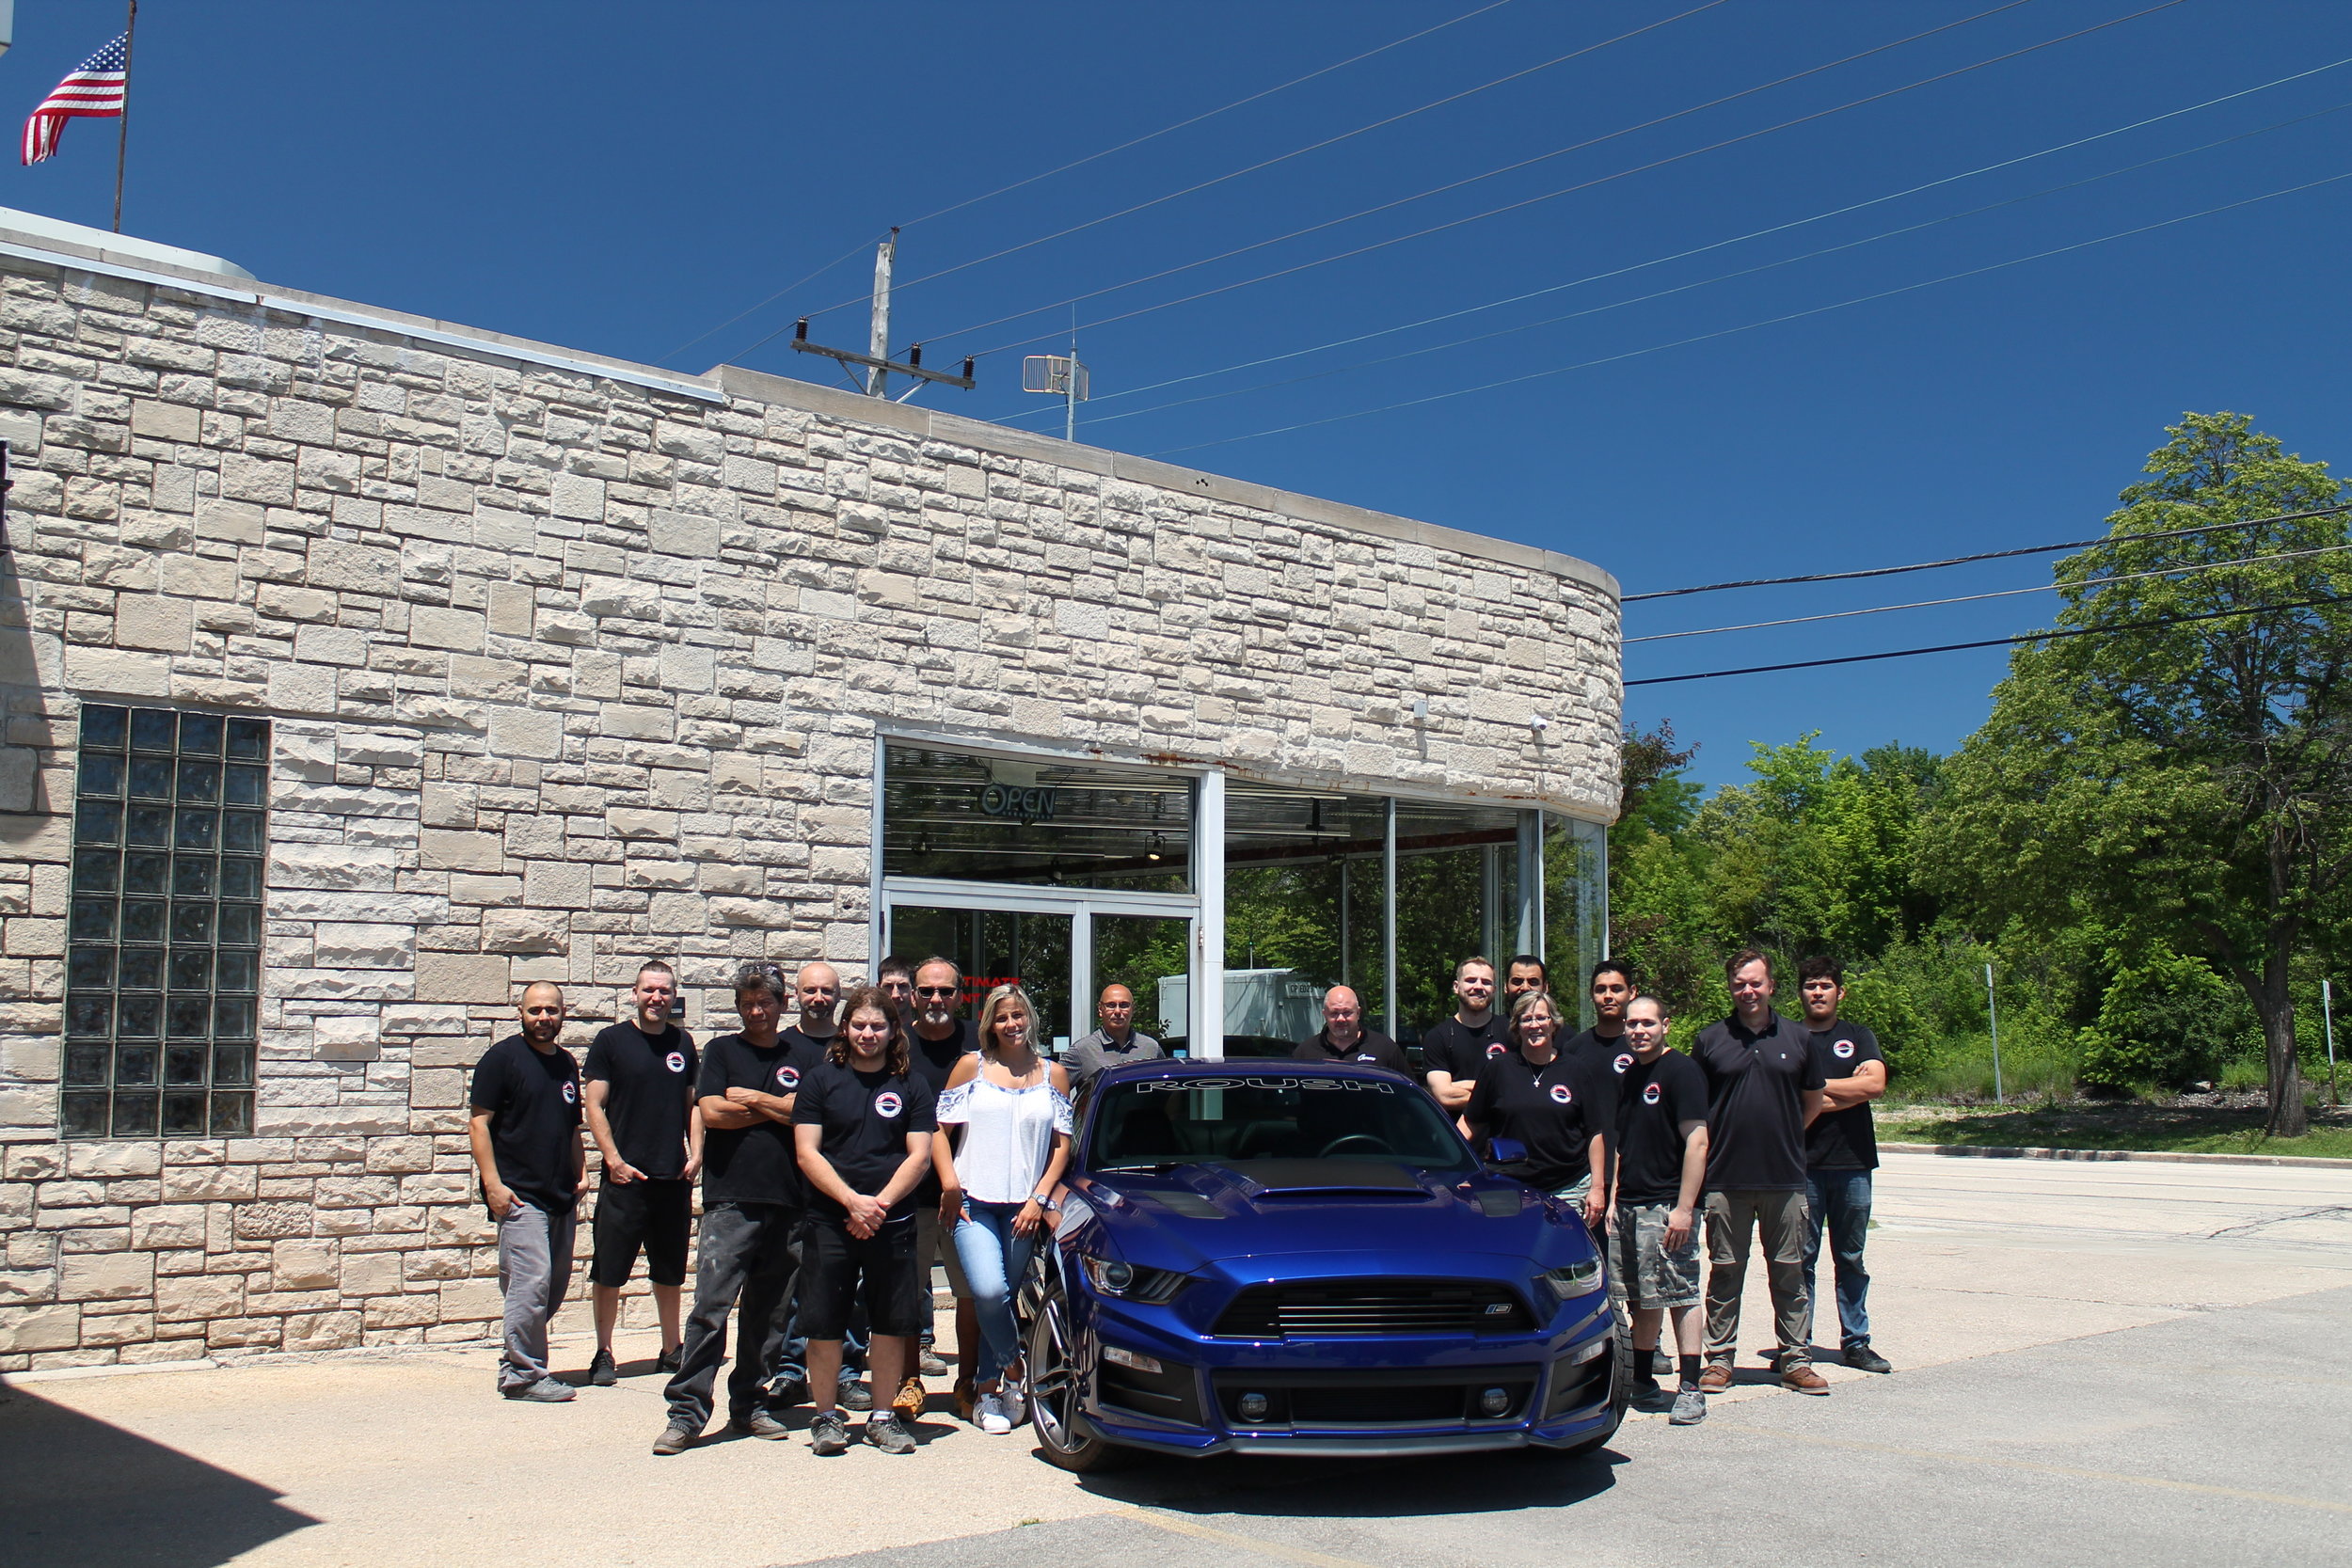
(1505, 1151)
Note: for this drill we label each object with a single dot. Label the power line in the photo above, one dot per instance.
(1717, 244)
(1989, 555)
(1210, 114)
(1091, 158)
(1707, 282)
(1533, 200)
(1285, 157)
(1988, 643)
(1751, 326)
(1998, 593)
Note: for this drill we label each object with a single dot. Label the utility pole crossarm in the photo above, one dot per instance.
(912, 366)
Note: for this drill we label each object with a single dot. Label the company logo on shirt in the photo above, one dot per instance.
(571, 1093)
(1366, 1056)
(1843, 1048)
(1496, 1048)
(787, 1077)
(1560, 1095)
(1622, 1063)
(1649, 1094)
(675, 1061)
(888, 1105)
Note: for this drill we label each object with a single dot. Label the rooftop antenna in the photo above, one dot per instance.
(1061, 377)
(880, 367)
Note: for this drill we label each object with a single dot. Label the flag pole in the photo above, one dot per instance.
(122, 130)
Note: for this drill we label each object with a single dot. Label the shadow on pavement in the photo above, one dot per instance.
(76, 1492)
(1361, 1488)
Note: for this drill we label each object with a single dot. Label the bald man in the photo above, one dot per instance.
(525, 1129)
(1117, 1042)
(1344, 1038)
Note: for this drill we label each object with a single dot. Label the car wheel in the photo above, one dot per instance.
(1620, 1394)
(1055, 1381)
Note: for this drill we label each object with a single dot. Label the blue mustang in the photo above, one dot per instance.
(1287, 1258)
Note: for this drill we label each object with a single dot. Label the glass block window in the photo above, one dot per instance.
(164, 943)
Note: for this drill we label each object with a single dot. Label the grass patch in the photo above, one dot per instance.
(2155, 1128)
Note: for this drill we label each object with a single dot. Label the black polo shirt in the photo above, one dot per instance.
(649, 1093)
(1462, 1052)
(932, 1061)
(1545, 1109)
(1847, 1139)
(1653, 1102)
(533, 1101)
(1755, 1105)
(754, 1163)
(1374, 1048)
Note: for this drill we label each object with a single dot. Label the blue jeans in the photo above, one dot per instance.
(1841, 1199)
(994, 1259)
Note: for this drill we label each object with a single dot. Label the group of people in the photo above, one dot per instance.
(844, 1152)
(840, 1155)
(1764, 1126)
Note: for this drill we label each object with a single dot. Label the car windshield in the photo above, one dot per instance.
(1271, 1116)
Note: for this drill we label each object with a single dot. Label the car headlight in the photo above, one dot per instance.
(1574, 1281)
(1114, 1276)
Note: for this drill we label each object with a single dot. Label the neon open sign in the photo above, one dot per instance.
(1022, 805)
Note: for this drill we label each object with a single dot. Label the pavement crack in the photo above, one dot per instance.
(2249, 1228)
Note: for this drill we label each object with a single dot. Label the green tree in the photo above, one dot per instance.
(2187, 783)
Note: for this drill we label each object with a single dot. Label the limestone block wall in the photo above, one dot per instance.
(569, 667)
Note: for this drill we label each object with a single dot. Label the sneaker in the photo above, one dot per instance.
(675, 1438)
(787, 1390)
(883, 1431)
(1690, 1409)
(759, 1423)
(1016, 1402)
(1803, 1379)
(855, 1395)
(931, 1365)
(910, 1399)
(829, 1433)
(1649, 1397)
(1714, 1378)
(1862, 1359)
(1662, 1365)
(601, 1372)
(547, 1390)
(989, 1417)
(669, 1359)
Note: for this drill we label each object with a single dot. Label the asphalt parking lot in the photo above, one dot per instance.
(2097, 1362)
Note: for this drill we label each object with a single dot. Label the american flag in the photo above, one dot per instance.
(95, 88)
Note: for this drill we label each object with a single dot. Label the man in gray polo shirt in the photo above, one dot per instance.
(1113, 1044)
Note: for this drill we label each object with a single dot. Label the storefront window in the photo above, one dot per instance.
(1575, 925)
(1303, 891)
(1458, 893)
(985, 819)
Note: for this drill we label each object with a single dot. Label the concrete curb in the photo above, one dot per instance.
(1973, 1152)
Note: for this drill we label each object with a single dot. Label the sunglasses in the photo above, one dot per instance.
(935, 990)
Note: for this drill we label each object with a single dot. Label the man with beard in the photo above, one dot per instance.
(1456, 1051)
(525, 1131)
(939, 1040)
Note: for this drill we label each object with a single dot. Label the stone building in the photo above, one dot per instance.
(360, 669)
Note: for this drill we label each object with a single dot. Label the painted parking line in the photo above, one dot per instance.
(1177, 1525)
(2071, 1472)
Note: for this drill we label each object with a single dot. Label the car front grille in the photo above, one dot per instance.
(1373, 1306)
(1377, 1398)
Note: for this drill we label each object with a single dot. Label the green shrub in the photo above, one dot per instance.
(2165, 1022)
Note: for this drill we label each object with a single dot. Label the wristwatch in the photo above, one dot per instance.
(1043, 1200)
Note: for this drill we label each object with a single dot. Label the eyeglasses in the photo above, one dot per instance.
(935, 990)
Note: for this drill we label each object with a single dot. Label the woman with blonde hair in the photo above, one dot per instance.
(1006, 1118)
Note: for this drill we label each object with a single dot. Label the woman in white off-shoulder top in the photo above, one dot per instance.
(1006, 1113)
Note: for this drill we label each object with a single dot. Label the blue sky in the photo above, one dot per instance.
(625, 178)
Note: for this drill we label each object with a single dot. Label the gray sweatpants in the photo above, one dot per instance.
(1732, 1220)
(535, 1271)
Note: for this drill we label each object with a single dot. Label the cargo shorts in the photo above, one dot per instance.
(1655, 1277)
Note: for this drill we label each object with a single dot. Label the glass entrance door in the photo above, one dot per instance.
(1029, 948)
(1151, 955)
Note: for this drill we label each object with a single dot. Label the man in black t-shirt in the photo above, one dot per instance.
(1344, 1038)
(1661, 1166)
(640, 1087)
(863, 1128)
(1521, 973)
(1762, 1088)
(939, 1040)
(525, 1130)
(752, 1201)
(1455, 1052)
(1602, 1050)
(1841, 1149)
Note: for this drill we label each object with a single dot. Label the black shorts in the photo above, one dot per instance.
(655, 1215)
(840, 1269)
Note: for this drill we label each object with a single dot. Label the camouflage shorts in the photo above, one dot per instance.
(1655, 1277)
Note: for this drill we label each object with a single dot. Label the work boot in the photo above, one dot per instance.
(931, 1365)
(1802, 1379)
(675, 1438)
(1715, 1378)
(601, 1372)
(910, 1399)
(1862, 1359)
(759, 1423)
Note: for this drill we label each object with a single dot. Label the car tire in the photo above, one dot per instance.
(1056, 1385)
(1620, 1394)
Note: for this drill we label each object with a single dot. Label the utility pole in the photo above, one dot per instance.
(878, 344)
(2328, 1011)
(1993, 1016)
